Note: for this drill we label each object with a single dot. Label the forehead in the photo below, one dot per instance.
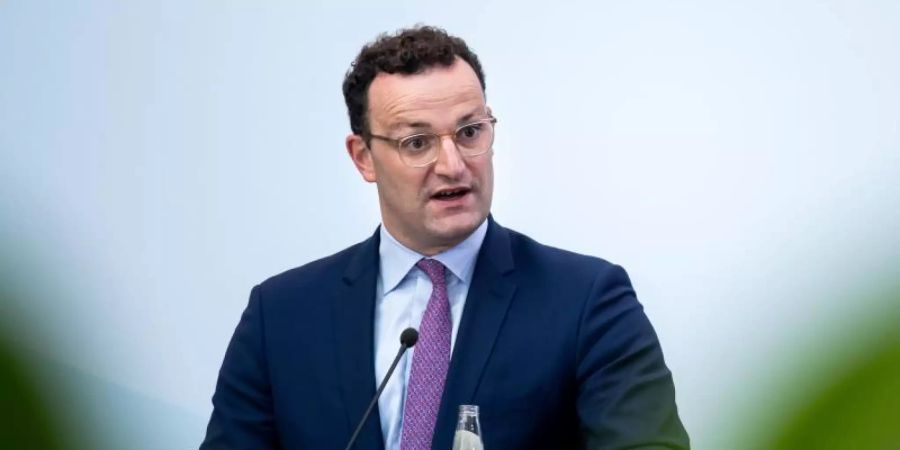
(437, 97)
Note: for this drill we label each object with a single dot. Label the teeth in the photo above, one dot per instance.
(449, 193)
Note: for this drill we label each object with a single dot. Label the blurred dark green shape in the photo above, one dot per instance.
(859, 408)
(25, 422)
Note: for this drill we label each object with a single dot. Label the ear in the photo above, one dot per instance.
(362, 157)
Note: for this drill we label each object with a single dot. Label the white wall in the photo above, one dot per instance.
(160, 158)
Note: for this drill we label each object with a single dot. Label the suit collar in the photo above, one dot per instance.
(364, 259)
(487, 302)
(354, 317)
(496, 250)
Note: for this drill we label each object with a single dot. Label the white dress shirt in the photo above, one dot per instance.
(401, 295)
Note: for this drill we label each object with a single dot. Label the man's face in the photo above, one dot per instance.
(438, 101)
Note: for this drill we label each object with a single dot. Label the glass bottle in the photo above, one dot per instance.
(468, 429)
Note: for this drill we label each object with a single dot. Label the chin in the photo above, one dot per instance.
(455, 229)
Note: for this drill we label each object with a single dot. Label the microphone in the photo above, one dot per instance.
(408, 338)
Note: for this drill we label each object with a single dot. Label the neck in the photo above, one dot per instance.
(426, 249)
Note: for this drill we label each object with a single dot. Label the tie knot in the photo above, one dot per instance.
(433, 268)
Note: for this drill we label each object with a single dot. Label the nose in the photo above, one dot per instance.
(450, 162)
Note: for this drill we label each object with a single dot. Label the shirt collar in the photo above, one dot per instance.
(396, 260)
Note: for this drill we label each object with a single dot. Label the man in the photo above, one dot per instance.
(553, 346)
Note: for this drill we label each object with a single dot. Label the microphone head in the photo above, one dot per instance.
(409, 337)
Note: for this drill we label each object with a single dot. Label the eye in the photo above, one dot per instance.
(469, 133)
(416, 144)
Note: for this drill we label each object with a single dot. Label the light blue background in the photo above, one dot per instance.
(740, 159)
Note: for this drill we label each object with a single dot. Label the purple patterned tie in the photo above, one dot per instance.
(431, 358)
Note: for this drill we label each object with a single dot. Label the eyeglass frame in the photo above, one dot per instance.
(396, 142)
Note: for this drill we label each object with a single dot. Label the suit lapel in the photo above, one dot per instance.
(493, 285)
(354, 317)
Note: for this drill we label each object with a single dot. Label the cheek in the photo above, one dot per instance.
(484, 172)
(404, 189)
(392, 180)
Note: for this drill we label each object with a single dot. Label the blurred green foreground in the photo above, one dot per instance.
(854, 405)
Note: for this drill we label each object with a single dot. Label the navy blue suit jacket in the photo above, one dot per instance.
(553, 346)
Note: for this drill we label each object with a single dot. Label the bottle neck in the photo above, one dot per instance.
(468, 429)
(468, 419)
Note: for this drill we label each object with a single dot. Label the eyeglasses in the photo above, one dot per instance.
(421, 150)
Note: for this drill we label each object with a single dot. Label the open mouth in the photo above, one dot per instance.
(450, 194)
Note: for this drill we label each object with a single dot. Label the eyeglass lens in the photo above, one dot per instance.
(471, 140)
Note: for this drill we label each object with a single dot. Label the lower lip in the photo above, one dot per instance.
(453, 201)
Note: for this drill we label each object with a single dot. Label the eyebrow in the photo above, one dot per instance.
(427, 126)
(399, 125)
(465, 119)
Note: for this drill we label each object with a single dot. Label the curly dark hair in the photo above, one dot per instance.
(408, 51)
